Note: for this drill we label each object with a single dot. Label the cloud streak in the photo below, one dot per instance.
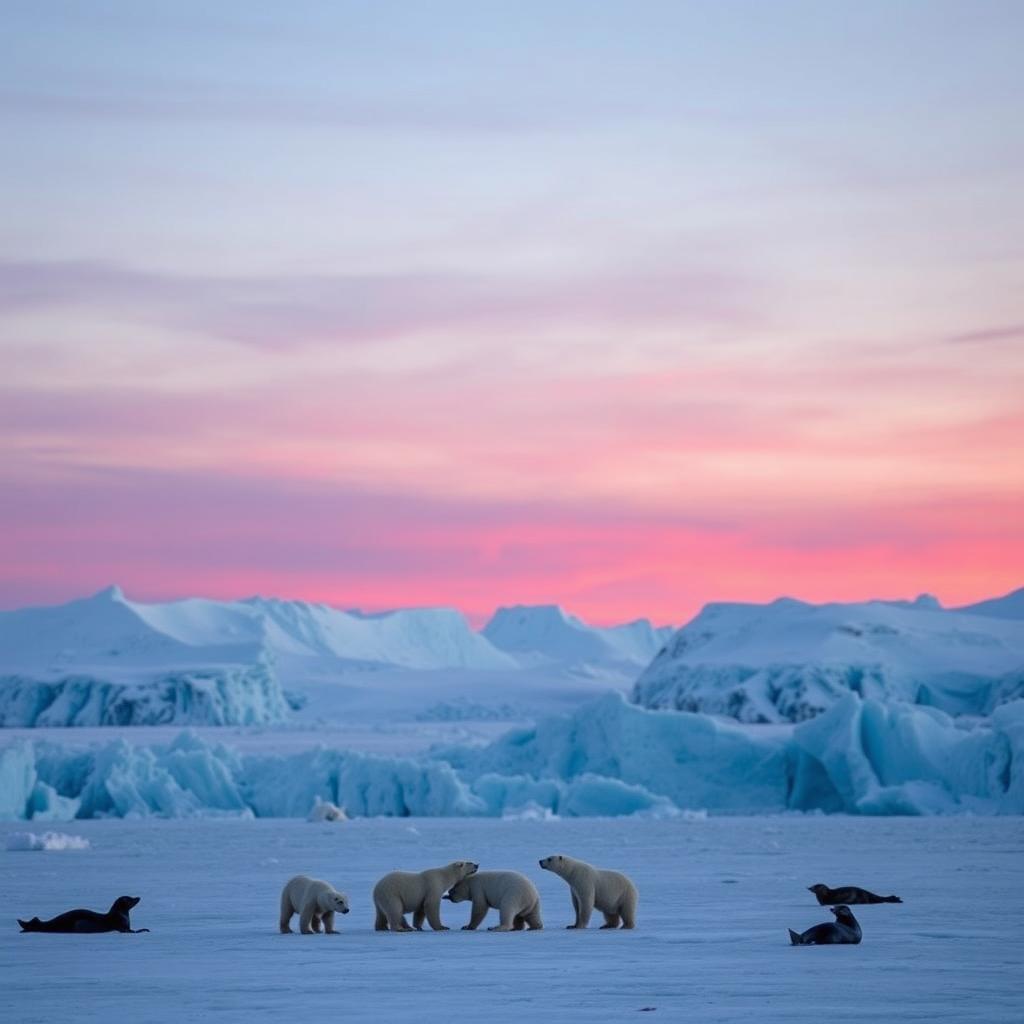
(284, 311)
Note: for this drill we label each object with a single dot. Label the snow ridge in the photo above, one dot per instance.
(546, 633)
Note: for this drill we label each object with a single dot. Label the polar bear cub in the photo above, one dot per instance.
(611, 892)
(418, 891)
(513, 895)
(314, 901)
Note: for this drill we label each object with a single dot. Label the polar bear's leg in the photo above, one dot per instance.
(286, 913)
(419, 915)
(627, 910)
(315, 922)
(328, 920)
(519, 923)
(395, 914)
(381, 923)
(477, 917)
(508, 916)
(532, 918)
(306, 918)
(583, 900)
(432, 908)
(610, 920)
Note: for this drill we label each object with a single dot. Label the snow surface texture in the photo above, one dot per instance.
(716, 898)
(105, 660)
(788, 661)
(609, 758)
(46, 841)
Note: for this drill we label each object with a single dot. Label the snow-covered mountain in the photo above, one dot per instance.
(107, 660)
(546, 633)
(789, 661)
(1009, 606)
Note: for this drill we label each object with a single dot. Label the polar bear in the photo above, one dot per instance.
(611, 892)
(419, 891)
(513, 895)
(314, 901)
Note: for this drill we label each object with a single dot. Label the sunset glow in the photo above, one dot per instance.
(378, 308)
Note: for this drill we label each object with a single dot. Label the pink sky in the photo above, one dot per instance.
(426, 313)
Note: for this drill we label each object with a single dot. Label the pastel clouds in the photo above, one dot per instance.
(626, 313)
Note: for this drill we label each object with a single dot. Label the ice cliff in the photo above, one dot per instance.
(788, 661)
(608, 758)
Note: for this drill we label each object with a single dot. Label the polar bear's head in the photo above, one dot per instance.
(557, 862)
(334, 903)
(462, 868)
(459, 892)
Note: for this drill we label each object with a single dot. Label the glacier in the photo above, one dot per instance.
(789, 661)
(108, 660)
(608, 758)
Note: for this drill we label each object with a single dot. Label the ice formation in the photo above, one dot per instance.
(861, 756)
(788, 661)
(46, 841)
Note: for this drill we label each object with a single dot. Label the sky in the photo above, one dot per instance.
(622, 306)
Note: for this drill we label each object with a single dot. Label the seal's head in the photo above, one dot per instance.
(125, 903)
(844, 915)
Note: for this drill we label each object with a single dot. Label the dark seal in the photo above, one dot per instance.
(81, 921)
(848, 894)
(845, 931)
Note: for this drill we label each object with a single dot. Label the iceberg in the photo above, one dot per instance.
(866, 757)
(608, 758)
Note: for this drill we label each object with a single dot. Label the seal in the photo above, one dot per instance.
(81, 921)
(845, 931)
(848, 894)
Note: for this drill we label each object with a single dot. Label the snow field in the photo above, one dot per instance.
(716, 898)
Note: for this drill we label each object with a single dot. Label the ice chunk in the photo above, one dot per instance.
(46, 804)
(46, 841)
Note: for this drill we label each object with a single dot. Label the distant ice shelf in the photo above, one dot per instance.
(789, 661)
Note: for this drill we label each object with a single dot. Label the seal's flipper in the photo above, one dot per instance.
(29, 926)
(794, 938)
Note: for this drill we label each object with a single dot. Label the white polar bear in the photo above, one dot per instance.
(419, 891)
(314, 901)
(324, 810)
(611, 892)
(513, 895)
